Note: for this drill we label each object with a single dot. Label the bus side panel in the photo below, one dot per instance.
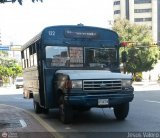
(41, 95)
(35, 85)
(31, 81)
(50, 95)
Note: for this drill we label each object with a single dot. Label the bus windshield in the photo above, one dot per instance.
(63, 56)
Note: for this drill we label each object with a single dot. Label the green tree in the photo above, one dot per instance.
(3, 53)
(15, 71)
(19, 1)
(132, 32)
(4, 73)
(140, 57)
(9, 68)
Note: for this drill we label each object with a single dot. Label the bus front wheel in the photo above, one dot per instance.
(65, 111)
(121, 111)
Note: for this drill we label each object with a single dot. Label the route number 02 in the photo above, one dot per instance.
(51, 33)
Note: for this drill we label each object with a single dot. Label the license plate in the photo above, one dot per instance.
(103, 101)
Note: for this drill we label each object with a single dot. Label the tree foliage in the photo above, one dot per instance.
(132, 32)
(141, 59)
(19, 1)
(3, 53)
(140, 55)
(9, 68)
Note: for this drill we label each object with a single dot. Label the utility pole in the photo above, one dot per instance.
(11, 44)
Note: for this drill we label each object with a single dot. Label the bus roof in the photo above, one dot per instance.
(74, 32)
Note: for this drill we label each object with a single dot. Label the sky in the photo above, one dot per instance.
(18, 24)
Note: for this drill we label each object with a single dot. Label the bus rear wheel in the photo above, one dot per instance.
(65, 111)
(37, 107)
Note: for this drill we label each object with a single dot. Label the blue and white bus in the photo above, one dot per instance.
(75, 68)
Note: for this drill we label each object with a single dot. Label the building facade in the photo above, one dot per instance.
(141, 12)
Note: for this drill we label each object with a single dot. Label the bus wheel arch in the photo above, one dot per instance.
(27, 94)
(31, 94)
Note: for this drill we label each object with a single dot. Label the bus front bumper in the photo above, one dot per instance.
(105, 100)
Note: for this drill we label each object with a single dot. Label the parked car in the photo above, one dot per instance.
(19, 82)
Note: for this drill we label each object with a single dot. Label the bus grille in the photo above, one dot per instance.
(102, 85)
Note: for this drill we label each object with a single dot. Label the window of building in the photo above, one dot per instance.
(138, 19)
(148, 19)
(142, 19)
(142, 1)
(117, 3)
(117, 12)
(142, 10)
(127, 10)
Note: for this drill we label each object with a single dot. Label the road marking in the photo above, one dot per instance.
(152, 101)
(23, 123)
(43, 123)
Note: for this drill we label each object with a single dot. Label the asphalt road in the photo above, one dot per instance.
(144, 115)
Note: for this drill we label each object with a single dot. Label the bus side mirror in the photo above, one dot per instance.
(124, 56)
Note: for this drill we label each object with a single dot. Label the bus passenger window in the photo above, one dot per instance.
(35, 59)
(28, 57)
(22, 57)
(31, 60)
(23, 64)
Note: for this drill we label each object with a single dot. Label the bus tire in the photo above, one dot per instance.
(121, 111)
(37, 107)
(45, 111)
(65, 111)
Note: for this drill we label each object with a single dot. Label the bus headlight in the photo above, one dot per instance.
(126, 83)
(76, 84)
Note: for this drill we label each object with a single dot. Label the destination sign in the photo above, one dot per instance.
(80, 34)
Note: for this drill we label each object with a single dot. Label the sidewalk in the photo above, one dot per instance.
(146, 85)
(8, 90)
(17, 123)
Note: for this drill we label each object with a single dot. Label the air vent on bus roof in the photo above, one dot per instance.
(80, 24)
